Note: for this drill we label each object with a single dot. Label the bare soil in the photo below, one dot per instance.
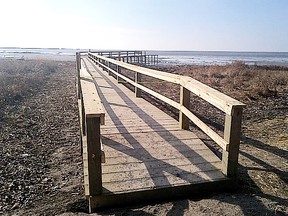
(40, 163)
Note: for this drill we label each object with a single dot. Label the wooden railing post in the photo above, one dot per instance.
(119, 80)
(232, 133)
(109, 72)
(83, 115)
(184, 101)
(137, 80)
(94, 155)
(78, 65)
(118, 71)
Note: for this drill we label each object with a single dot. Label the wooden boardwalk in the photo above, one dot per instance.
(147, 155)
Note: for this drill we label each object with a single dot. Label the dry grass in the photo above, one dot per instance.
(20, 78)
(244, 82)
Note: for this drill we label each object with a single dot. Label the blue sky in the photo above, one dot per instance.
(228, 25)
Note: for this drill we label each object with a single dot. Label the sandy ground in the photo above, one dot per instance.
(41, 168)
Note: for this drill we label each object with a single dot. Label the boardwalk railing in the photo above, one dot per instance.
(91, 116)
(133, 57)
(231, 107)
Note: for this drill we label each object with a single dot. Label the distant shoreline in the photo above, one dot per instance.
(166, 58)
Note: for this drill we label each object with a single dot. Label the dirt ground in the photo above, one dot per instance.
(40, 163)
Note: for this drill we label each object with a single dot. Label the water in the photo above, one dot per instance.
(220, 57)
(38, 53)
(165, 57)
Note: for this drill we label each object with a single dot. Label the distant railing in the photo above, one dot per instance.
(231, 107)
(133, 57)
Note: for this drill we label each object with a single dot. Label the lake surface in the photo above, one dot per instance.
(165, 57)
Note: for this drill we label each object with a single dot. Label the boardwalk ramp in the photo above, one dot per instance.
(145, 153)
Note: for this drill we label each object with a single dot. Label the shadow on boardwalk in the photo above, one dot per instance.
(248, 199)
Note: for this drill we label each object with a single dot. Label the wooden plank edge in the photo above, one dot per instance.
(97, 203)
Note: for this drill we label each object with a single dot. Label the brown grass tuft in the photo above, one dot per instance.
(19, 78)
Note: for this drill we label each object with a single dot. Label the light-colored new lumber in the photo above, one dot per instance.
(213, 96)
(232, 133)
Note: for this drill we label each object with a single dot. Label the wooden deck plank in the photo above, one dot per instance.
(163, 165)
(166, 180)
(116, 159)
(191, 158)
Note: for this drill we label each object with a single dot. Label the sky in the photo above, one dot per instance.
(192, 25)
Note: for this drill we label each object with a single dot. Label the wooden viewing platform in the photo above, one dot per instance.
(145, 153)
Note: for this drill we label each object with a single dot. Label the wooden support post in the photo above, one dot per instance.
(119, 80)
(94, 155)
(109, 72)
(184, 101)
(78, 65)
(104, 62)
(78, 61)
(83, 115)
(232, 133)
(137, 80)
(118, 71)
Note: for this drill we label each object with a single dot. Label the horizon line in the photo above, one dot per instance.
(152, 50)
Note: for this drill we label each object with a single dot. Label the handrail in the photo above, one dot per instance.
(232, 108)
(218, 99)
(91, 115)
(149, 91)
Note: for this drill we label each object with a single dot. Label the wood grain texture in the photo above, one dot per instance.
(90, 98)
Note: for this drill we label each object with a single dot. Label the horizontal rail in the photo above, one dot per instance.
(218, 139)
(213, 96)
(149, 91)
(91, 100)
